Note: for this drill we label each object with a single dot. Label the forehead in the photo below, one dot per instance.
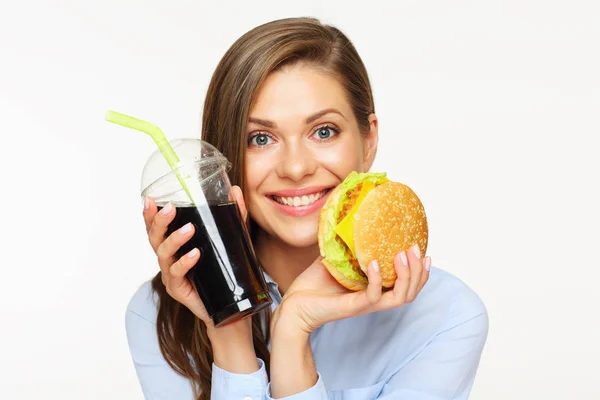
(297, 91)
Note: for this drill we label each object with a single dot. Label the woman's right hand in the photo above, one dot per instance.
(173, 271)
(232, 344)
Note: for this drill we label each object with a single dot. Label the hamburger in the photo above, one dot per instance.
(368, 217)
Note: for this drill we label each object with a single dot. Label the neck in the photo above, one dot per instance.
(281, 261)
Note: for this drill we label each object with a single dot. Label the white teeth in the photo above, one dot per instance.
(299, 201)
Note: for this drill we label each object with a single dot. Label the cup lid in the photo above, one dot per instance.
(190, 152)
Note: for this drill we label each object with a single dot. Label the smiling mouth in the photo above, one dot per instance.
(300, 201)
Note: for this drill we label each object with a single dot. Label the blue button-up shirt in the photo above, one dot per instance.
(426, 350)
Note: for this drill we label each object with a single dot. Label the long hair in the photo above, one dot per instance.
(233, 88)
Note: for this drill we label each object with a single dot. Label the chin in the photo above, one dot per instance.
(293, 233)
(300, 239)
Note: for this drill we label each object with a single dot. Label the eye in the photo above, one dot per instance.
(260, 139)
(325, 132)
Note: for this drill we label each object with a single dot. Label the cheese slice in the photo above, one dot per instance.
(345, 229)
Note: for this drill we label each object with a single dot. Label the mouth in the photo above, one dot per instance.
(300, 201)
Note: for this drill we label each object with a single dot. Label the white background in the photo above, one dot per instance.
(490, 110)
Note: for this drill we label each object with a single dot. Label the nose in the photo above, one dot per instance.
(297, 162)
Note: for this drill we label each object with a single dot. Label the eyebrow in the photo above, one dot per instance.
(308, 120)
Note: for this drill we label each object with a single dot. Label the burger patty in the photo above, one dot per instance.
(352, 197)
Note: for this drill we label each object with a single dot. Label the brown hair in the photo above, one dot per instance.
(234, 85)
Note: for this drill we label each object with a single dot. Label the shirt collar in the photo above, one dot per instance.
(268, 278)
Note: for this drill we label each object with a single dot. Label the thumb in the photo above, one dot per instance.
(238, 197)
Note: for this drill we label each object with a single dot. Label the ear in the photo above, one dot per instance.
(370, 141)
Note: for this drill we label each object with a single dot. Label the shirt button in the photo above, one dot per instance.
(247, 398)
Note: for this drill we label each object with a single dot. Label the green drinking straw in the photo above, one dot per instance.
(157, 135)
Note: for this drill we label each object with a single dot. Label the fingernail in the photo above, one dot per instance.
(427, 263)
(403, 258)
(375, 265)
(166, 209)
(417, 251)
(146, 203)
(186, 228)
(192, 253)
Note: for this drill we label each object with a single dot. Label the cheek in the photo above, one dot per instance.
(346, 155)
(258, 168)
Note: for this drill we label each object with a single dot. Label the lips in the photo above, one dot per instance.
(300, 202)
(297, 201)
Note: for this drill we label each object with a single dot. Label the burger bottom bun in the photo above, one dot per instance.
(390, 219)
(346, 282)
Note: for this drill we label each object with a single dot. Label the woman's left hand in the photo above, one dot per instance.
(316, 298)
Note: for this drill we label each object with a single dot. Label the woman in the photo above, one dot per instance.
(290, 105)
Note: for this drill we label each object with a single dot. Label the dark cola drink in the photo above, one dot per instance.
(227, 276)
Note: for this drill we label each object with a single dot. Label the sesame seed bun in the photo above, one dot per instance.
(390, 219)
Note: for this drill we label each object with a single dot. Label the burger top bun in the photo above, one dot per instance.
(390, 219)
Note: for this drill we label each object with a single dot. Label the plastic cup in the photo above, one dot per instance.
(227, 276)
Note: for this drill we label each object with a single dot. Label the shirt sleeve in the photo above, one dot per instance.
(445, 369)
(158, 380)
(317, 392)
(227, 385)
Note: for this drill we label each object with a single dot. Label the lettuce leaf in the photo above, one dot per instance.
(336, 252)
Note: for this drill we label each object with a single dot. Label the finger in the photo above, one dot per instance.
(416, 272)
(363, 301)
(150, 211)
(182, 289)
(374, 288)
(170, 245)
(179, 269)
(398, 296)
(179, 286)
(161, 221)
(238, 197)
(425, 273)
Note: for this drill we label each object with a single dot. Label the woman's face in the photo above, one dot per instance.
(303, 140)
